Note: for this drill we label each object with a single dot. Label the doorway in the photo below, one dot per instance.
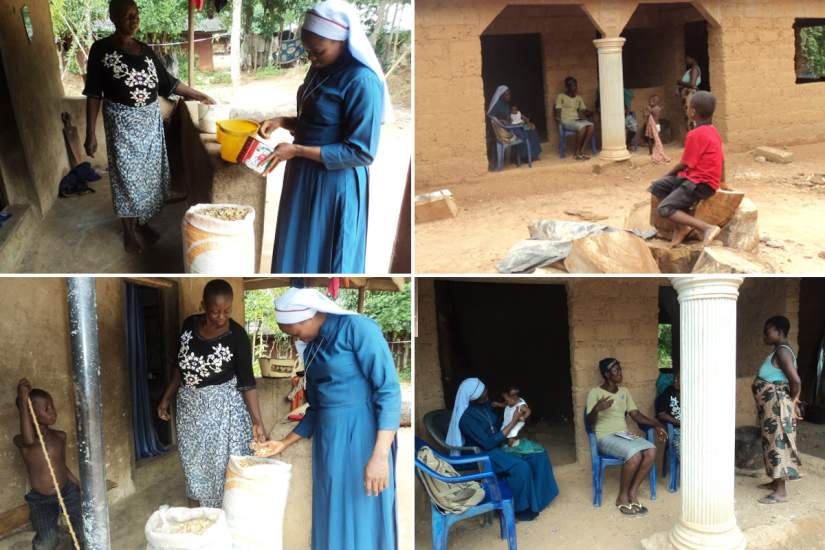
(515, 334)
(515, 60)
(696, 46)
(151, 329)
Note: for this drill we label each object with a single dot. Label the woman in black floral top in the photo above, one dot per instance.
(127, 77)
(217, 405)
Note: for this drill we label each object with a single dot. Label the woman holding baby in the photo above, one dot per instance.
(529, 476)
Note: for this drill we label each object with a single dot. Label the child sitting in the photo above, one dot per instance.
(669, 410)
(512, 402)
(42, 499)
(698, 175)
(517, 118)
(653, 114)
(515, 115)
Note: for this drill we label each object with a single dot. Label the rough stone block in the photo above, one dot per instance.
(615, 252)
(742, 231)
(772, 154)
(639, 217)
(717, 259)
(680, 259)
(720, 208)
(438, 205)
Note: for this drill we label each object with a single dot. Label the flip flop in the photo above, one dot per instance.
(627, 509)
(640, 506)
(770, 499)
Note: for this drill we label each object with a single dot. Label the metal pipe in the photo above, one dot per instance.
(88, 412)
(191, 33)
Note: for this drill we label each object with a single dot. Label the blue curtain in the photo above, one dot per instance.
(147, 443)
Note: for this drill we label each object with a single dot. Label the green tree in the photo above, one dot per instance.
(813, 47)
(665, 346)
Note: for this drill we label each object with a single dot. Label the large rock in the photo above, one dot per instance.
(742, 232)
(639, 217)
(615, 252)
(679, 259)
(717, 210)
(720, 208)
(717, 259)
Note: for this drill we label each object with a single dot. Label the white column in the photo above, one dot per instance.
(611, 98)
(708, 392)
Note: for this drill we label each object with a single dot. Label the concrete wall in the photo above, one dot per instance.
(36, 91)
(612, 318)
(759, 33)
(741, 36)
(430, 396)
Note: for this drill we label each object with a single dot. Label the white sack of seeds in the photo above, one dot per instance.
(181, 528)
(219, 238)
(254, 499)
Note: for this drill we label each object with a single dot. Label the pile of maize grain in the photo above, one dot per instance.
(226, 213)
(194, 526)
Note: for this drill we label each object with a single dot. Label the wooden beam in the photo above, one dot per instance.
(191, 42)
(151, 281)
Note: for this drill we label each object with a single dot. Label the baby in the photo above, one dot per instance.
(512, 402)
(515, 115)
(653, 114)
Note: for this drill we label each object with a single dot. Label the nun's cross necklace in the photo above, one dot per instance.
(308, 91)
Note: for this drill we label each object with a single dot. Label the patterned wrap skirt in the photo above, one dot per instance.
(212, 423)
(775, 408)
(138, 165)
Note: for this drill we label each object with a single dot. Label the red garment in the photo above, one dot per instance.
(703, 156)
(334, 285)
(198, 4)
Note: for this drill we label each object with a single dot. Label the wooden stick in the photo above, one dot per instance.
(54, 477)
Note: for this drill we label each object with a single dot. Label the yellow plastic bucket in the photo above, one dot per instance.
(232, 135)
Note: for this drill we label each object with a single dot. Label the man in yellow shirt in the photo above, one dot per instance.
(572, 113)
(606, 408)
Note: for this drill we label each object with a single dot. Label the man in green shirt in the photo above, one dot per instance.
(572, 113)
(606, 408)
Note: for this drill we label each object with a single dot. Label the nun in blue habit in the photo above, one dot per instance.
(322, 216)
(354, 411)
(530, 476)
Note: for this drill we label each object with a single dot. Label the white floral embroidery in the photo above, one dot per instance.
(143, 81)
(139, 96)
(196, 368)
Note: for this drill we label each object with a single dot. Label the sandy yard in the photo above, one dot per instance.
(495, 210)
(571, 521)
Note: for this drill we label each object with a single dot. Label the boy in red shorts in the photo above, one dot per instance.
(699, 174)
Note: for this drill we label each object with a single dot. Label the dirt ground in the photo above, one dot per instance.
(571, 521)
(495, 210)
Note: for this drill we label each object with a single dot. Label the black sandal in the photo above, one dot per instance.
(627, 509)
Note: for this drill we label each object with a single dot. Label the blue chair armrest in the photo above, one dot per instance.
(453, 479)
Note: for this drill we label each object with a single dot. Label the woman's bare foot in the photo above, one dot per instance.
(131, 244)
(711, 233)
(679, 235)
(150, 235)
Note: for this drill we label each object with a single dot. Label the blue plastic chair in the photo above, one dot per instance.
(501, 148)
(564, 134)
(498, 497)
(671, 462)
(600, 462)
